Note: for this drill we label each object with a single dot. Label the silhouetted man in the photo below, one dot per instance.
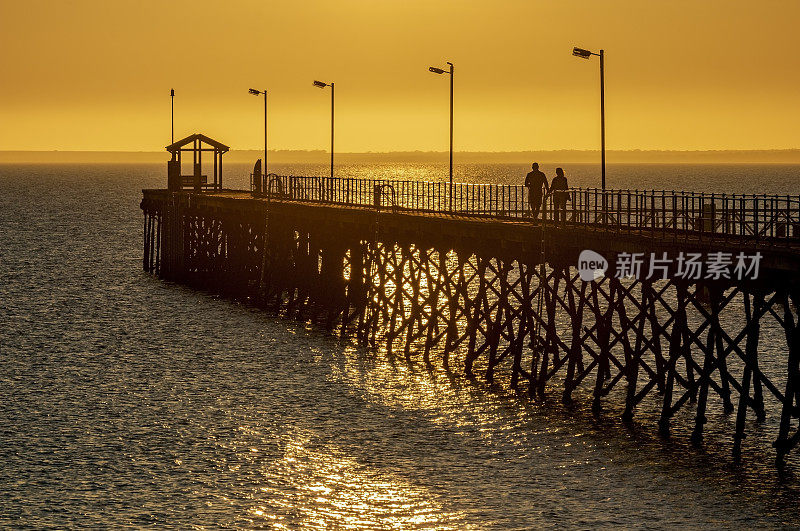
(536, 182)
(559, 189)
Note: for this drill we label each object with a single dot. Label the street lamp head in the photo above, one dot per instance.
(436, 70)
(580, 52)
(254, 92)
(171, 92)
(320, 84)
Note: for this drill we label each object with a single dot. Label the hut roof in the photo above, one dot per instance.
(175, 146)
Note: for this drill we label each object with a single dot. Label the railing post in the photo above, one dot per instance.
(788, 221)
(755, 217)
(653, 210)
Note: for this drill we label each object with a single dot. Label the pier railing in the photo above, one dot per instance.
(771, 219)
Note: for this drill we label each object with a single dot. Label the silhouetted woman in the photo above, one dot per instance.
(560, 195)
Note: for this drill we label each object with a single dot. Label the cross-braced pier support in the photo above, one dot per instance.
(491, 305)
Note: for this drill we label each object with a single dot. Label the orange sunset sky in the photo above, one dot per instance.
(699, 74)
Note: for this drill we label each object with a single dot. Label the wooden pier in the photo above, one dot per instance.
(486, 290)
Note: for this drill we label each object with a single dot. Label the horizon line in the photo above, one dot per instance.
(298, 150)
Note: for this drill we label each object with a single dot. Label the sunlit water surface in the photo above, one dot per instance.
(125, 400)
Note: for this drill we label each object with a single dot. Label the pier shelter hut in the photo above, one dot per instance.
(197, 144)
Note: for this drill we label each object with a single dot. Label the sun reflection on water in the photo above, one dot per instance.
(317, 489)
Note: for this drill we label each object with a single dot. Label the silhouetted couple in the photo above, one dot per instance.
(538, 189)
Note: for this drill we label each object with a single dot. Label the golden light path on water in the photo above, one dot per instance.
(322, 488)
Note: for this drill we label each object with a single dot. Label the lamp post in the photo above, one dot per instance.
(255, 92)
(442, 71)
(586, 54)
(172, 115)
(322, 85)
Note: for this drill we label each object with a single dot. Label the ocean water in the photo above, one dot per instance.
(128, 401)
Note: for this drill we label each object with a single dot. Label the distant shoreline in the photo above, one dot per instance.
(777, 156)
